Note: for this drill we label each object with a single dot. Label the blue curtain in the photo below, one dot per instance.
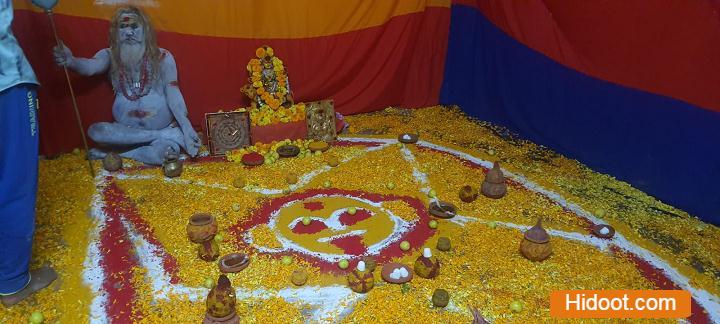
(662, 146)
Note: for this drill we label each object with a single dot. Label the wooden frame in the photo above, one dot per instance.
(227, 131)
(320, 119)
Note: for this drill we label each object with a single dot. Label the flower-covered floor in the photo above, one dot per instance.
(121, 250)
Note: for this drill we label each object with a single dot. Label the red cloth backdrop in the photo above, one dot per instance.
(366, 57)
(666, 47)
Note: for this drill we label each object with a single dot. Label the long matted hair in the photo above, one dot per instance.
(151, 49)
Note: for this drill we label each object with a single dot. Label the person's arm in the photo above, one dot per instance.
(176, 103)
(84, 66)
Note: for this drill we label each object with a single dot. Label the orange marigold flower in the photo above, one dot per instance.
(260, 52)
(261, 90)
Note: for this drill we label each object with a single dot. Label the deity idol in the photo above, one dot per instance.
(150, 114)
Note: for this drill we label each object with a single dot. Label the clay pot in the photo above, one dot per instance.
(239, 182)
(221, 299)
(494, 184)
(291, 178)
(233, 262)
(112, 162)
(361, 281)
(299, 277)
(209, 250)
(468, 194)
(172, 167)
(440, 297)
(370, 263)
(201, 227)
(426, 265)
(230, 319)
(443, 244)
(535, 245)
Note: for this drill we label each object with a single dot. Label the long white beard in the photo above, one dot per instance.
(131, 56)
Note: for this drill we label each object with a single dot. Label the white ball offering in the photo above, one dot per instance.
(604, 230)
(361, 266)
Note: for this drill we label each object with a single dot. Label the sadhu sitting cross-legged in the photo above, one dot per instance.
(149, 110)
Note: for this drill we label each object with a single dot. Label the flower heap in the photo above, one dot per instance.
(271, 108)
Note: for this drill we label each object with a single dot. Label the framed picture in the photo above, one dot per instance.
(320, 118)
(227, 131)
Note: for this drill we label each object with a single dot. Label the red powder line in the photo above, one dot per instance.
(350, 220)
(123, 207)
(117, 263)
(313, 205)
(312, 228)
(416, 235)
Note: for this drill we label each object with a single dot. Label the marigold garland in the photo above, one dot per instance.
(270, 108)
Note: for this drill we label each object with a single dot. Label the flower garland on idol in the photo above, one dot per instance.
(270, 109)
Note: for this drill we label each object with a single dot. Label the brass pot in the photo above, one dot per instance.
(172, 166)
(201, 227)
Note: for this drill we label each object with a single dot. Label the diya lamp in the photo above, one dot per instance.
(221, 302)
(361, 280)
(494, 184)
(201, 229)
(426, 265)
(408, 138)
(603, 231)
(112, 162)
(468, 194)
(172, 166)
(535, 245)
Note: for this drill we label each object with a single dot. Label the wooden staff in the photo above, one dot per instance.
(72, 94)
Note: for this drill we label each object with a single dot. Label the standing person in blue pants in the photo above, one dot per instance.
(18, 169)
